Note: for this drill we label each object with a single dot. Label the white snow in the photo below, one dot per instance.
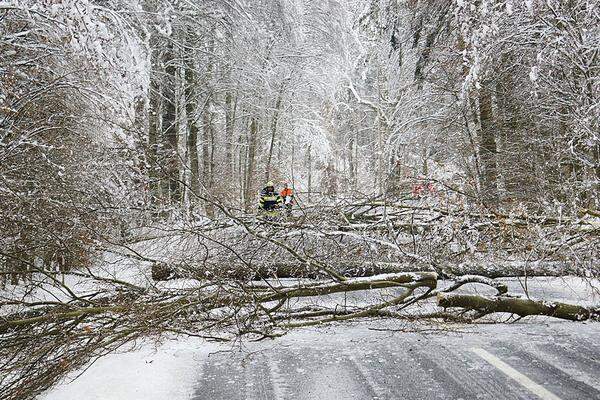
(173, 370)
(149, 373)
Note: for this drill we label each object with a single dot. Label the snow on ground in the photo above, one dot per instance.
(190, 368)
(384, 359)
(165, 372)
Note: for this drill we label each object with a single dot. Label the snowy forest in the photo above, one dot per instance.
(429, 144)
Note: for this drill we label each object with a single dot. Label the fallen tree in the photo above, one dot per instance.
(267, 270)
(521, 307)
(457, 242)
(232, 283)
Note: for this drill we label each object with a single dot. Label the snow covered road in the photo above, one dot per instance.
(550, 360)
(538, 358)
(535, 358)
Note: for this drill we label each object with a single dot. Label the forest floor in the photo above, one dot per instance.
(532, 358)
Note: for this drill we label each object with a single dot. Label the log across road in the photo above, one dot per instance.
(534, 358)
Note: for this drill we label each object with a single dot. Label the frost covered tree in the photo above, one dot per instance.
(69, 161)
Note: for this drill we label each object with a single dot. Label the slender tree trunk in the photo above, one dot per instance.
(208, 134)
(206, 146)
(274, 131)
(192, 126)
(153, 127)
(292, 170)
(207, 143)
(154, 94)
(487, 149)
(252, 139)
(242, 165)
(380, 173)
(213, 152)
(309, 161)
(350, 150)
(170, 130)
(229, 125)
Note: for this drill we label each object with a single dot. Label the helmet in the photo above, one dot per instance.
(270, 183)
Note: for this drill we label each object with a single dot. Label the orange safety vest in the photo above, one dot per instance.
(286, 192)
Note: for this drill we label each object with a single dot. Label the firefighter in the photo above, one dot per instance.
(269, 200)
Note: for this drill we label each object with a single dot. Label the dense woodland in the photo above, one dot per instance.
(468, 129)
(116, 112)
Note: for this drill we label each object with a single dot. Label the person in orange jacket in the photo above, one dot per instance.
(287, 194)
(286, 191)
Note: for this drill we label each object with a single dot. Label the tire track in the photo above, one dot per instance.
(379, 391)
(558, 381)
(465, 376)
(577, 367)
(278, 381)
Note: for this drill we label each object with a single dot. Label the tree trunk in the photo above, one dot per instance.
(521, 307)
(192, 127)
(170, 132)
(207, 157)
(153, 127)
(380, 178)
(309, 156)
(242, 153)
(487, 149)
(229, 131)
(300, 270)
(274, 131)
(351, 170)
(250, 160)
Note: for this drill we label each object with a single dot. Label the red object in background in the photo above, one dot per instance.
(418, 190)
(421, 189)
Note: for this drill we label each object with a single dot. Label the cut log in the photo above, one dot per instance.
(521, 307)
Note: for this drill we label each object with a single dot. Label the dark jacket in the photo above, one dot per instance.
(269, 200)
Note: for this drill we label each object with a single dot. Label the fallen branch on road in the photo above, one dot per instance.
(521, 307)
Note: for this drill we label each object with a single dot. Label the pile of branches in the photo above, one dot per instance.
(41, 342)
(370, 236)
(231, 282)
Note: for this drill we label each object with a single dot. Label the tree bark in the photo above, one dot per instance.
(309, 161)
(521, 307)
(229, 132)
(487, 149)
(251, 155)
(153, 127)
(207, 146)
(274, 131)
(171, 135)
(161, 271)
(192, 127)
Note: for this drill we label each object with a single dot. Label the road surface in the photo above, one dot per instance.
(549, 360)
(539, 358)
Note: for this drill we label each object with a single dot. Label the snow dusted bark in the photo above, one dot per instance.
(163, 272)
(274, 127)
(487, 148)
(230, 113)
(191, 110)
(250, 162)
(170, 128)
(521, 307)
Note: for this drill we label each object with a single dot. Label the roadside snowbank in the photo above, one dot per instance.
(168, 371)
